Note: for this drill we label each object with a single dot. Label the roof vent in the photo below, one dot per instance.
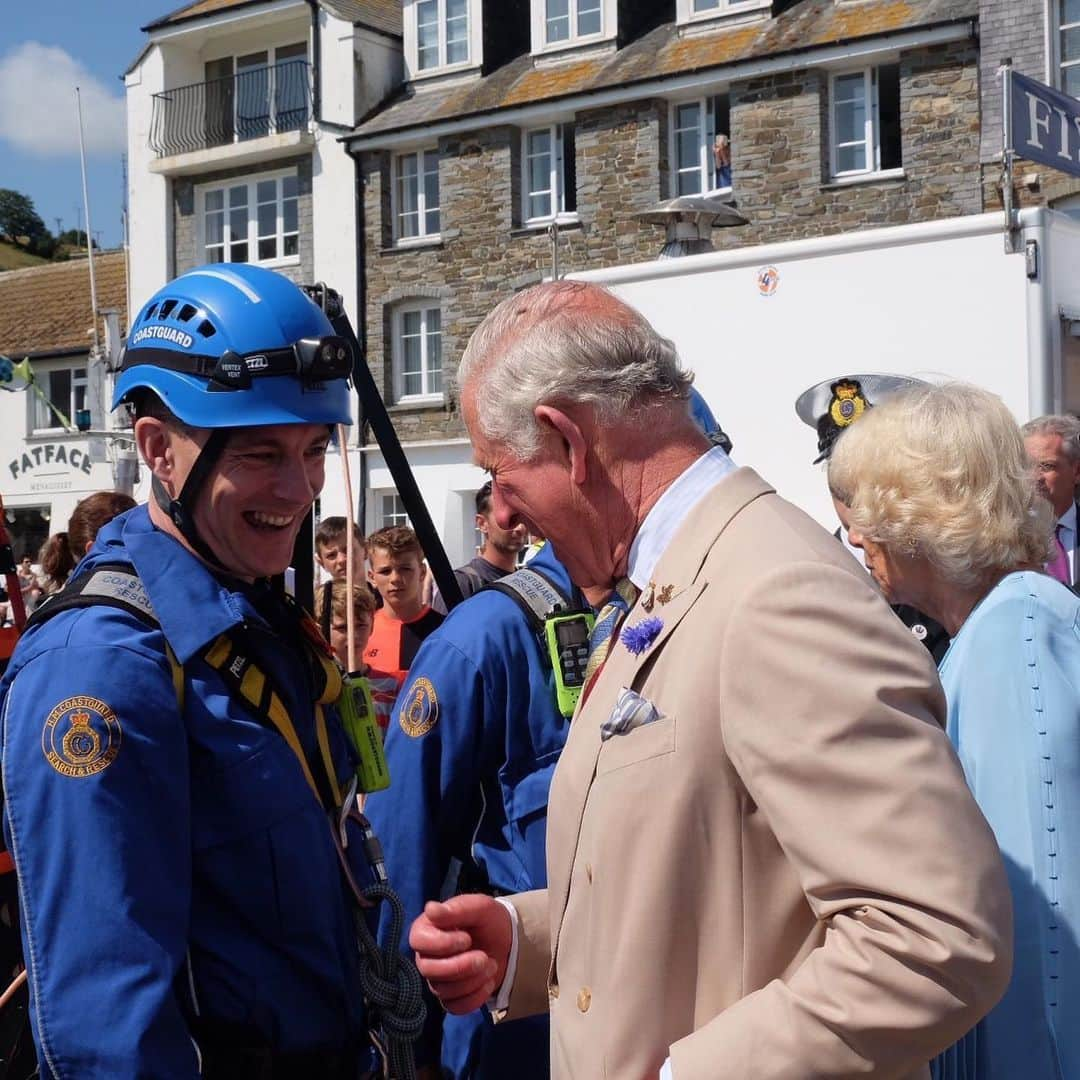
(689, 221)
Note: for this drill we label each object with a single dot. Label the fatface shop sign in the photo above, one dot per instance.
(1045, 124)
(49, 466)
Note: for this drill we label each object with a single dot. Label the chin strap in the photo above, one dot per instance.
(181, 510)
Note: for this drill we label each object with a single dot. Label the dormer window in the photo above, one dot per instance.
(563, 24)
(564, 19)
(696, 10)
(442, 33)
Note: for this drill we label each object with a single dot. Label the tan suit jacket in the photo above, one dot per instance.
(785, 876)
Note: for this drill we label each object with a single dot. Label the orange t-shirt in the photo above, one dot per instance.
(394, 643)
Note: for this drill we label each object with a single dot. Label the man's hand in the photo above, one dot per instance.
(462, 948)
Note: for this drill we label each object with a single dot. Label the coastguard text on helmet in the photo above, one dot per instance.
(164, 333)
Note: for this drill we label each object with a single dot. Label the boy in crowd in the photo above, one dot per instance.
(404, 620)
(382, 686)
(331, 550)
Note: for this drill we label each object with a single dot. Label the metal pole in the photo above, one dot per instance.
(553, 232)
(89, 234)
(1007, 156)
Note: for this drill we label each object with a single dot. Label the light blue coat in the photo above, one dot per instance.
(1012, 681)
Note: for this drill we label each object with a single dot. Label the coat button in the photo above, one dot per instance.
(553, 992)
(584, 999)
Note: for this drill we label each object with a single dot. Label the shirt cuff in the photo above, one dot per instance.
(665, 1071)
(501, 1000)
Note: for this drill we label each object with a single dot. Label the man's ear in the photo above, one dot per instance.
(154, 439)
(480, 521)
(571, 436)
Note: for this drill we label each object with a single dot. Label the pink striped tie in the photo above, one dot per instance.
(1058, 567)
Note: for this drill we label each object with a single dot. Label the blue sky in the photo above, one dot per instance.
(46, 47)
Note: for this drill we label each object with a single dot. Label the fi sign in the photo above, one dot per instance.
(1045, 124)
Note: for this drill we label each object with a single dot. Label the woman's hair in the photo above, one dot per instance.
(61, 553)
(57, 561)
(941, 471)
(90, 514)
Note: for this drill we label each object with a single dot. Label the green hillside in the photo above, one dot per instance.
(13, 258)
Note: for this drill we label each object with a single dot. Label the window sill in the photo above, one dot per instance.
(50, 434)
(541, 225)
(417, 404)
(413, 243)
(269, 264)
(864, 178)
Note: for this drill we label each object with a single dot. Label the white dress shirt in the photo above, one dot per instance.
(1066, 530)
(657, 531)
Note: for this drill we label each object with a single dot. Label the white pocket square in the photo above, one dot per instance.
(631, 711)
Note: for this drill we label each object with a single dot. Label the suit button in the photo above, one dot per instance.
(584, 999)
(553, 992)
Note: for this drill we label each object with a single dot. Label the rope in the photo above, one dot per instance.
(392, 986)
(393, 990)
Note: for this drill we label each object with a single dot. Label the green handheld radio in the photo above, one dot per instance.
(567, 636)
(358, 718)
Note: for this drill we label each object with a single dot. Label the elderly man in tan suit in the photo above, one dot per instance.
(763, 859)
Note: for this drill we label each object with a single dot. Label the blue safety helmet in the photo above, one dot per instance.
(233, 345)
(229, 346)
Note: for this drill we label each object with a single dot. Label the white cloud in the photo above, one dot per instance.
(37, 104)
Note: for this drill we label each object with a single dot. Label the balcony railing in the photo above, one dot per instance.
(261, 101)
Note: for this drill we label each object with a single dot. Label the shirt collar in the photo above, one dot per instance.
(1068, 519)
(670, 511)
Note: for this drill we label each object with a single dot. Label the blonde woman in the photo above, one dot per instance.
(934, 486)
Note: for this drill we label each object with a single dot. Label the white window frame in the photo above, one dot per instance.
(871, 128)
(608, 25)
(473, 39)
(1055, 61)
(253, 237)
(52, 426)
(686, 10)
(398, 516)
(706, 132)
(556, 178)
(422, 236)
(427, 394)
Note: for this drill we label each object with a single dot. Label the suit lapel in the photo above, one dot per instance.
(680, 568)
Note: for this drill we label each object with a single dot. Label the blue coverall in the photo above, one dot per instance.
(175, 869)
(474, 787)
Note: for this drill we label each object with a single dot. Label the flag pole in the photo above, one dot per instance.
(1007, 155)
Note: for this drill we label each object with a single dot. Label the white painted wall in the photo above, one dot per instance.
(936, 301)
(382, 68)
(149, 220)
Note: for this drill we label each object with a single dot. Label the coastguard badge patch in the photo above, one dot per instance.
(81, 737)
(419, 714)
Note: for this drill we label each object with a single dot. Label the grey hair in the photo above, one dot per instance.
(1068, 427)
(571, 342)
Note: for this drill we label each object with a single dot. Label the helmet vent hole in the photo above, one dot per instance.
(206, 328)
(150, 312)
(186, 312)
(166, 309)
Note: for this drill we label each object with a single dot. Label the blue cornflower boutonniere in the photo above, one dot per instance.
(639, 637)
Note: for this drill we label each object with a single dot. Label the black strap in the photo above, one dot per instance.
(114, 583)
(181, 510)
(535, 593)
(226, 372)
(327, 588)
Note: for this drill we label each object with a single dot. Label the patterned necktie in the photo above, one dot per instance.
(1058, 566)
(605, 631)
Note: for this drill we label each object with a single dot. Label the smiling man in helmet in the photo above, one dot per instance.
(172, 761)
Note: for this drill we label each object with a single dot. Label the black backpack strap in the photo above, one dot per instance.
(114, 584)
(536, 595)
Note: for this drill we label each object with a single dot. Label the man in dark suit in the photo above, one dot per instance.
(1053, 444)
(830, 407)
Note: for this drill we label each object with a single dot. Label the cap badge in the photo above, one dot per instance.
(847, 404)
